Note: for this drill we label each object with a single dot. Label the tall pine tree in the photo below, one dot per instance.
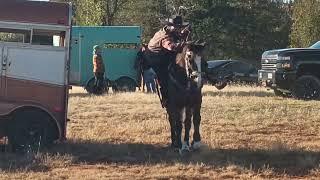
(306, 23)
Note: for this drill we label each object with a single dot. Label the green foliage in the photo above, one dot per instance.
(96, 12)
(11, 37)
(88, 12)
(242, 29)
(238, 29)
(144, 13)
(306, 25)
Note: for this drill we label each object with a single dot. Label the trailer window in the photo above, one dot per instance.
(15, 35)
(120, 46)
(48, 38)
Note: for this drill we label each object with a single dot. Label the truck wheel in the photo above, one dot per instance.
(280, 94)
(125, 84)
(307, 87)
(91, 89)
(30, 131)
(221, 85)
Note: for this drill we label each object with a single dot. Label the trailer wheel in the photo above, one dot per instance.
(30, 131)
(125, 84)
(91, 89)
(307, 87)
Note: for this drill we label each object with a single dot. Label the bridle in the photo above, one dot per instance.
(191, 73)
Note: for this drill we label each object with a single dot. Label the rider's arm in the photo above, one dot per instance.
(168, 44)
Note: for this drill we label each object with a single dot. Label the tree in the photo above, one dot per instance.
(144, 13)
(237, 29)
(110, 9)
(96, 12)
(241, 29)
(306, 23)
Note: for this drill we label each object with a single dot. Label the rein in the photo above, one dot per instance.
(177, 84)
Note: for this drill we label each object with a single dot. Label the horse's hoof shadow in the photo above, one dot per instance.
(173, 148)
(184, 152)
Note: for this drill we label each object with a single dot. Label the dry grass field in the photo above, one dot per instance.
(247, 132)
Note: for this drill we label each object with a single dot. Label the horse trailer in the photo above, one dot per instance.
(120, 45)
(34, 71)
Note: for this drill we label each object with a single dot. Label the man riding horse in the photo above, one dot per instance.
(162, 50)
(179, 65)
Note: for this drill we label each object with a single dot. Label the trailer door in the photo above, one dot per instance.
(75, 64)
(31, 65)
(2, 68)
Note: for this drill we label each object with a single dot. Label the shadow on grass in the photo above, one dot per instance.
(281, 162)
(81, 95)
(239, 93)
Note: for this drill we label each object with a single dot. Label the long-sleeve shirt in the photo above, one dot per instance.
(161, 40)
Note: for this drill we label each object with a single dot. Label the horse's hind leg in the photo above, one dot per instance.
(196, 123)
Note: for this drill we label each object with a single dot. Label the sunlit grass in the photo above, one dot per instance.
(247, 133)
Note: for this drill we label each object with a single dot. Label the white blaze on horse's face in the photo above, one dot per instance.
(188, 58)
(197, 59)
(193, 66)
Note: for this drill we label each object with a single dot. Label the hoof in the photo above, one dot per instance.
(196, 145)
(183, 152)
(184, 149)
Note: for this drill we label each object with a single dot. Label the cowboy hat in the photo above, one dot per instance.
(176, 21)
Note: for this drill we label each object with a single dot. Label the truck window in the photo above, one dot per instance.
(238, 67)
(15, 35)
(48, 38)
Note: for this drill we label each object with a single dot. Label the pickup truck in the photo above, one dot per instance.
(293, 72)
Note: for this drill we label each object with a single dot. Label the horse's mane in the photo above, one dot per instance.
(181, 55)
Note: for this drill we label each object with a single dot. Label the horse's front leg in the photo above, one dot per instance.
(187, 127)
(174, 143)
(196, 143)
(178, 115)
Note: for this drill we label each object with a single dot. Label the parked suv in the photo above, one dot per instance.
(220, 72)
(292, 72)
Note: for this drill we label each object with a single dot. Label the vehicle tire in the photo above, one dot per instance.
(125, 84)
(281, 94)
(223, 77)
(307, 87)
(92, 90)
(30, 131)
(115, 88)
(221, 85)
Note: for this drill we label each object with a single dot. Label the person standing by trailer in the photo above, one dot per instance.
(139, 66)
(98, 69)
(149, 77)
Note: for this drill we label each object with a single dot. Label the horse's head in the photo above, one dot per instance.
(191, 59)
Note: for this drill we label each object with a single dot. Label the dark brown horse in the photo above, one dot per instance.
(184, 96)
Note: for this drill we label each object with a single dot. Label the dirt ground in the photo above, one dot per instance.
(247, 133)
